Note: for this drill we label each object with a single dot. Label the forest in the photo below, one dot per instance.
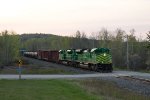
(120, 44)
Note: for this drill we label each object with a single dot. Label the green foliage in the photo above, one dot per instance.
(148, 46)
(148, 37)
(135, 62)
(105, 38)
(80, 41)
(118, 48)
(9, 47)
(46, 43)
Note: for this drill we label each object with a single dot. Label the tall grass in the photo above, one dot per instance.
(109, 90)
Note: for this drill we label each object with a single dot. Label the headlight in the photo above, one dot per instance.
(104, 54)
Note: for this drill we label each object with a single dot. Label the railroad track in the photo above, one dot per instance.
(136, 79)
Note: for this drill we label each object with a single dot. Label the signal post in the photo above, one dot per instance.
(20, 63)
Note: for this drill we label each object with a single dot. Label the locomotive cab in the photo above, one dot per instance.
(102, 58)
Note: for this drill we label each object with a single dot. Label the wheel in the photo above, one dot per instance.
(90, 67)
(77, 65)
(95, 68)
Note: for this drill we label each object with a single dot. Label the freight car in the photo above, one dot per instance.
(97, 59)
(30, 54)
(52, 56)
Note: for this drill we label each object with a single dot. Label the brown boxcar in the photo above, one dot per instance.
(42, 54)
(52, 55)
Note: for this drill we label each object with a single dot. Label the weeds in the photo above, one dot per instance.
(109, 90)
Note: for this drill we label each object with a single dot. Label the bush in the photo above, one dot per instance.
(136, 62)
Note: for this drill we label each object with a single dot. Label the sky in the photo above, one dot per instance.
(65, 17)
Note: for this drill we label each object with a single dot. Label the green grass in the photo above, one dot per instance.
(42, 90)
(109, 90)
(82, 89)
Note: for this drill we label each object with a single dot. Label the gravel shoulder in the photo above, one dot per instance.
(134, 86)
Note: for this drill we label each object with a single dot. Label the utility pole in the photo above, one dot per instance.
(93, 43)
(127, 54)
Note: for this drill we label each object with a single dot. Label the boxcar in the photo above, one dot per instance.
(48, 55)
(42, 54)
(53, 56)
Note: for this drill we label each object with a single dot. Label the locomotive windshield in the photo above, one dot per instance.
(79, 51)
(100, 50)
(69, 51)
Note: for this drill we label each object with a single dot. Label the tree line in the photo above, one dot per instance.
(138, 50)
(9, 47)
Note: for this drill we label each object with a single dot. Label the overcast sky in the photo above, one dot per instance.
(65, 17)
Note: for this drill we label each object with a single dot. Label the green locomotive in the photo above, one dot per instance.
(97, 59)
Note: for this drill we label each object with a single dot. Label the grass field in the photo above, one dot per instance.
(85, 89)
(42, 90)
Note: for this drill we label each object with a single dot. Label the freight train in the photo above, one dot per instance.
(96, 59)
